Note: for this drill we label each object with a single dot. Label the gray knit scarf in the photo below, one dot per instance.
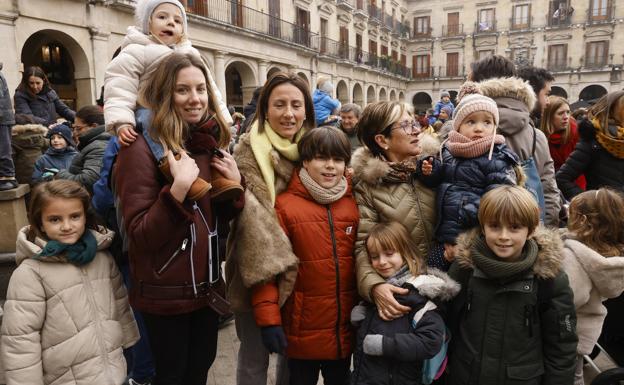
(494, 267)
(321, 194)
(400, 277)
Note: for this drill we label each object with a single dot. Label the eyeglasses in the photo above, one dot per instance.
(79, 128)
(408, 126)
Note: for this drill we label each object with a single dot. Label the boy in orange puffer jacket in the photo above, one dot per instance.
(320, 217)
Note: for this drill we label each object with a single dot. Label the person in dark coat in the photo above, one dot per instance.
(7, 120)
(514, 320)
(250, 111)
(58, 156)
(35, 97)
(474, 161)
(92, 139)
(392, 352)
(599, 155)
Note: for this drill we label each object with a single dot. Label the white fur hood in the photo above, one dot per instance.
(436, 284)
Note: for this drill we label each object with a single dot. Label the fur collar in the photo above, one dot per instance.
(248, 167)
(371, 169)
(436, 284)
(549, 256)
(20, 129)
(512, 87)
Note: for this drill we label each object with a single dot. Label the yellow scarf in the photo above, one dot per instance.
(263, 143)
(613, 144)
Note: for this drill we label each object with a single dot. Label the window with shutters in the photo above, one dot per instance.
(421, 26)
(521, 16)
(421, 66)
(452, 64)
(557, 57)
(452, 24)
(486, 21)
(596, 54)
(600, 10)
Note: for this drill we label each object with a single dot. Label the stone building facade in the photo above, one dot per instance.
(407, 50)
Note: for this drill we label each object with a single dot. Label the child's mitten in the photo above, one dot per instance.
(373, 344)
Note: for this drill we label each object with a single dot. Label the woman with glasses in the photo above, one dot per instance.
(172, 238)
(91, 141)
(387, 190)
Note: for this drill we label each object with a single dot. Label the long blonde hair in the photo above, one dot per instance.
(394, 236)
(606, 107)
(157, 94)
(554, 103)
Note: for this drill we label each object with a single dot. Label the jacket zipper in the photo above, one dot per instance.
(336, 264)
(97, 324)
(175, 254)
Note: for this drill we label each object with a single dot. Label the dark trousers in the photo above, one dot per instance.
(183, 346)
(7, 168)
(612, 338)
(306, 372)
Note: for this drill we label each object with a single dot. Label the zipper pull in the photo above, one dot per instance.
(195, 207)
(184, 243)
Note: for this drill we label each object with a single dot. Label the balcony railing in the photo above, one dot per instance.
(403, 30)
(520, 23)
(486, 26)
(360, 8)
(346, 4)
(452, 30)
(388, 21)
(557, 66)
(560, 17)
(422, 33)
(450, 71)
(335, 49)
(595, 61)
(235, 14)
(423, 73)
(374, 14)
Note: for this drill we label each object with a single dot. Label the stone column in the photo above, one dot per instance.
(262, 71)
(12, 216)
(11, 58)
(99, 42)
(219, 63)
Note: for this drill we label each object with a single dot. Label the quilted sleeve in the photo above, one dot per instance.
(24, 314)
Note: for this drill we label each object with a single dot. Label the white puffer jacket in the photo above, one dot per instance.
(65, 324)
(593, 279)
(140, 56)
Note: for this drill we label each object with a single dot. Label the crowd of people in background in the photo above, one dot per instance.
(476, 242)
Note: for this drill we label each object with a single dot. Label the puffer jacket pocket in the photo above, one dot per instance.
(528, 374)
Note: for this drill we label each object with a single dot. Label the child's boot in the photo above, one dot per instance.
(223, 189)
(198, 189)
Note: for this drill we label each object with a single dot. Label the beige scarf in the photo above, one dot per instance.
(262, 144)
(320, 194)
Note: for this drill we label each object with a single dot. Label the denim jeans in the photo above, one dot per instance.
(7, 168)
(138, 356)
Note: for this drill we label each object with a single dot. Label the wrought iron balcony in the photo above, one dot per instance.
(235, 14)
(423, 73)
(452, 30)
(484, 27)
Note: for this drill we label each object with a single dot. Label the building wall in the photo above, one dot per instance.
(92, 31)
(512, 41)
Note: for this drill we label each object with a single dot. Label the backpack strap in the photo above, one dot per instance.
(534, 142)
(420, 313)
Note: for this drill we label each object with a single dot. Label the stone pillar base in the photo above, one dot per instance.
(13, 216)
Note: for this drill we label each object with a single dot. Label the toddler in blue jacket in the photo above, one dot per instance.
(58, 156)
(473, 161)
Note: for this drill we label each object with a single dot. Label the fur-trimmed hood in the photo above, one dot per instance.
(606, 273)
(549, 256)
(436, 284)
(371, 169)
(511, 87)
(21, 129)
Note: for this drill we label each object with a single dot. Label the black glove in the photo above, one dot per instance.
(586, 126)
(274, 339)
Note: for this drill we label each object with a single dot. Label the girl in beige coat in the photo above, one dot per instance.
(593, 249)
(67, 317)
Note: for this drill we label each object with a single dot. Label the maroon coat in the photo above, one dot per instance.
(168, 241)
